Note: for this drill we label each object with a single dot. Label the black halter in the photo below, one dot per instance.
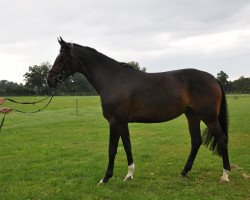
(66, 69)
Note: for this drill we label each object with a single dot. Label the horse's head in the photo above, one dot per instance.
(63, 66)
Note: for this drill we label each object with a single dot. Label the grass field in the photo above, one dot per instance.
(55, 154)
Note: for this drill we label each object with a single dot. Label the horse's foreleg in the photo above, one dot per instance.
(115, 132)
(196, 141)
(127, 146)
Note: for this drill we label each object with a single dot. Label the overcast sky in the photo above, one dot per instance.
(161, 35)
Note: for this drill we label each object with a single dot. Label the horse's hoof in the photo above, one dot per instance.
(101, 182)
(128, 178)
(224, 180)
(182, 176)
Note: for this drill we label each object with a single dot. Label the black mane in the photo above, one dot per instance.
(97, 53)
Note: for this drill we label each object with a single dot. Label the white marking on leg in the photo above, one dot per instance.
(101, 182)
(131, 170)
(224, 178)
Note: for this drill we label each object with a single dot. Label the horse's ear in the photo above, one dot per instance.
(63, 44)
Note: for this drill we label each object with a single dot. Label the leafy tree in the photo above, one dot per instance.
(222, 77)
(136, 66)
(36, 78)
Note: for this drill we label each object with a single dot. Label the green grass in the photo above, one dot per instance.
(55, 154)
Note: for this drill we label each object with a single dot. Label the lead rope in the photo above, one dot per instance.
(7, 110)
(35, 102)
(2, 121)
(36, 111)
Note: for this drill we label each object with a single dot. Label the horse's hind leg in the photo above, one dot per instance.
(127, 146)
(196, 140)
(221, 142)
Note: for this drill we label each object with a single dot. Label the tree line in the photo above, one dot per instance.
(241, 85)
(77, 84)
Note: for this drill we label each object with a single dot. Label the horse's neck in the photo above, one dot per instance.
(99, 73)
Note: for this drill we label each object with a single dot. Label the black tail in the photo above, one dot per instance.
(208, 138)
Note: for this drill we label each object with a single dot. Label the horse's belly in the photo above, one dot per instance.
(155, 115)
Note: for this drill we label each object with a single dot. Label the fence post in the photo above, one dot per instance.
(76, 107)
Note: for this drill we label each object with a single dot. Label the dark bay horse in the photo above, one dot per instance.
(129, 95)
